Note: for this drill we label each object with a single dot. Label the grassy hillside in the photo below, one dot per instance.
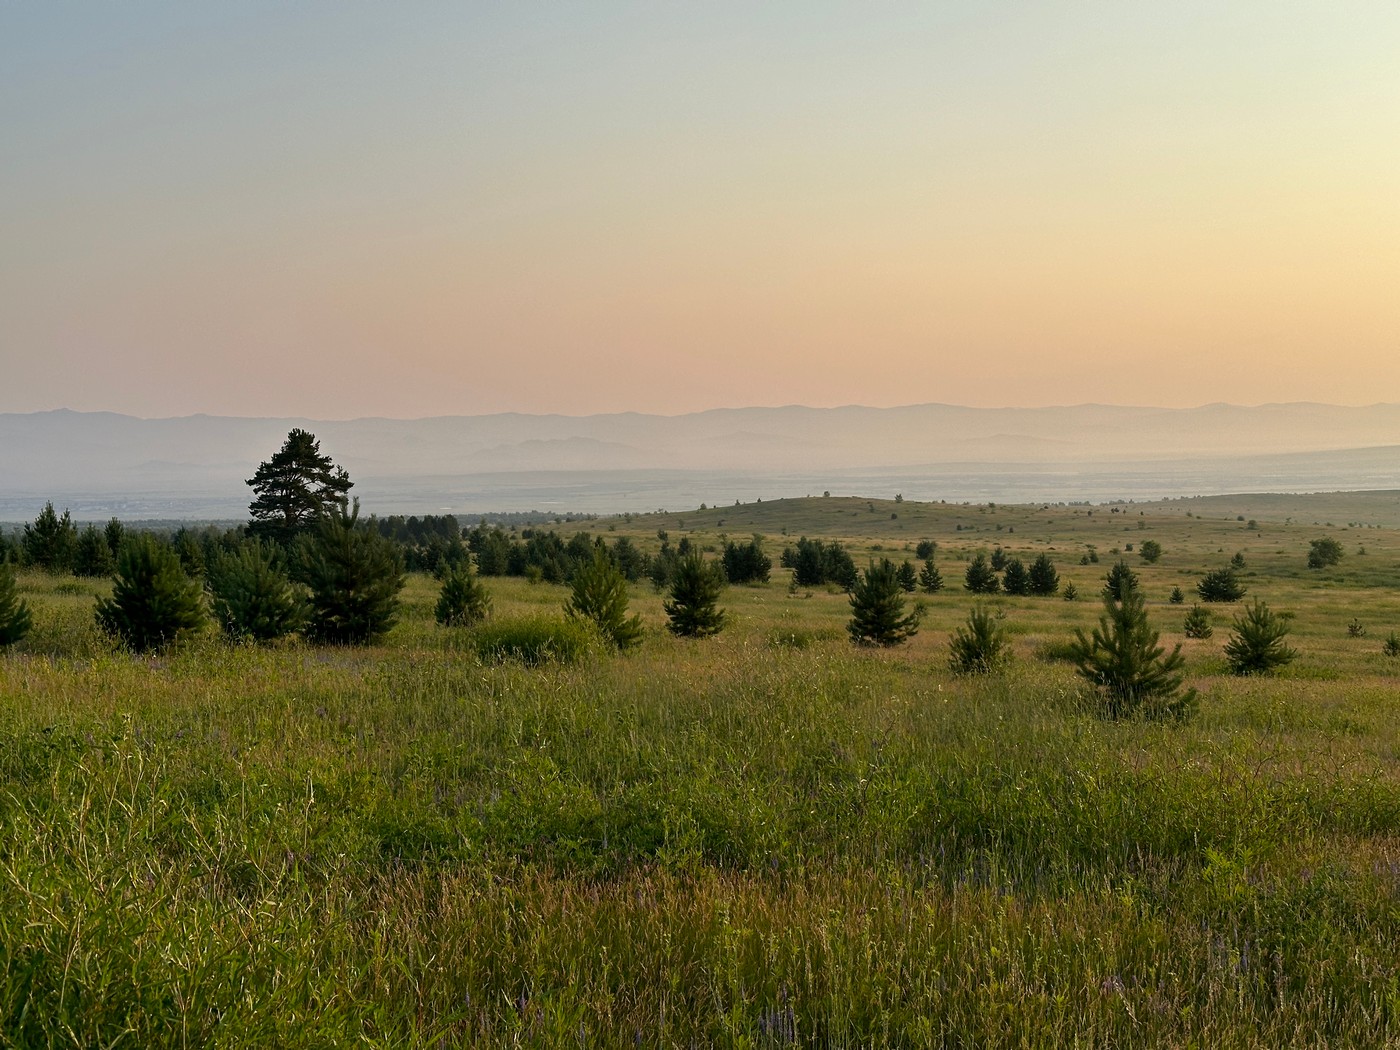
(766, 838)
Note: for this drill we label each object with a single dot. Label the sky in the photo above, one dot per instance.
(350, 209)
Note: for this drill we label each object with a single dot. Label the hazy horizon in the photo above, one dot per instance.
(347, 210)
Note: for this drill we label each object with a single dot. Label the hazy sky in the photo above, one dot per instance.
(406, 209)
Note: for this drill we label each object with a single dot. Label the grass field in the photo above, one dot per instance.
(772, 837)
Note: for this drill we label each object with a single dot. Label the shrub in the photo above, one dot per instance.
(877, 608)
(1121, 658)
(1220, 585)
(600, 596)
(1044, 580)
(980, 577)
(930, 579)
(1356, 629)
(1150, 551)
(978, 647)
(1256, 644)
(693, 607)
(1237, 560)
(534, 640)
(354, 575)
(1324, 552)
(1392, 645)
(15, 618)
(925, 550)
(153, 602)
(463, 599)
(251, 596)
(1197, 623)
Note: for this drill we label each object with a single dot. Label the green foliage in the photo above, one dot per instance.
(877, 608)
(1324, 553)
(692, 610)
(1121, 658)
(1392, 644)
(908, 578)
(1256, 643)
(925, 550)
(354, 575)
(980, 578)
(463, 599)
(1016, 580)
(999, 559)
(1355, 628)
(1044, 580)
(50, 542)
(1118, 578)
(979, 646)
(747, 562)
(1220, 585)
(92, 557)
(1177, 597)
(534, 640)
(1070, 593)
(153, 602)
(114, 533)
(1150, 551)
(15, 617)
(1237, 560)
(251, 597)
(814, 563)
(1197, 623)
(295, 489)
(600, 596)
(930, 579)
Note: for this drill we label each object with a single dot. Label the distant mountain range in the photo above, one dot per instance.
(195, 466)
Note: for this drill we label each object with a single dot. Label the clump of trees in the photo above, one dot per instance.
(814, 563)
(747, 562)
(877, 608)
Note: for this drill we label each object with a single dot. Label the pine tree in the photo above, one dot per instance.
(295, 489)
(925, 550)
(15, 618)
(50, 542)
(114, 532)
(980, 578)
(354, 575)
(1256, 643)
(998, 559)
(1220, 585)
(930, 579)
(692, 609)
(1119, 576)
(1150, 551)
(600, 596)
(92, 557)
(463, 599)
(251, 597)
(877, 608)
(1045, 581)
(1197, 623)
(153, 602)
(1070, 593)
(1123, 660)
(1016, 580)
(908, 578)
(1176, 597)
(978, 647)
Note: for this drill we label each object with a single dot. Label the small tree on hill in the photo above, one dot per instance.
(999, 558)
(925, 550)
(1071, 593)
(251, 597)
(1256, 643)
(600, 596)
(1045, 581)
(1197, 623)
(354, 575)
(1150, 551)
(153, 602)
(463, 599)
(1122, 659)
(980, 577)
(693, 607)
(1118, 577)
(114, 534)
(930, 579)
(1220, 585)
(747, 562)
(295, 489)
(92, 557)
(1016, 580)
(877, 608)
(15, 618)
(1176, 597)
(1323, 553)
(50, 542)
(978, 647)
(908, 578)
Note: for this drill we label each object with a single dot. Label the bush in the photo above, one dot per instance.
(1121, 658)
(1392, 645)
(15, 618)
(1220, 585)
(979, 647)
(1323, 553)
(693, 607)
(1197, 623)
(600, 596)
(877, 608)
(1356, 629)
(354, 575)
(251, 597)
(980, 577)
(463, 599)
(153, 602)
(925, 550)
(1256, 643)
(534, 640)
(1150, 551)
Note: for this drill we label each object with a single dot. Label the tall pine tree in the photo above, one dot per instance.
(294, 489)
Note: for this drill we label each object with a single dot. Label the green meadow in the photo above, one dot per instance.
(769, 837)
